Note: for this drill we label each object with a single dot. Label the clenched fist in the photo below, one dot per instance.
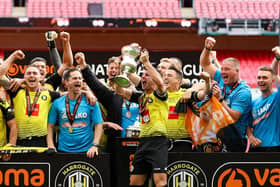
(144, 58)
(18, 55)
(276, 51)
(80, 59)
(65, 36)
(210, 43)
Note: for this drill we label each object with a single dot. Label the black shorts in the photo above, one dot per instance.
(151, 155)
(33, 141)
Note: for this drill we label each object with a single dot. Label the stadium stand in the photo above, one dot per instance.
(112, 8)
(6, 8)
(250, 61)
(143, 9)
(58, 8)
(237, 9)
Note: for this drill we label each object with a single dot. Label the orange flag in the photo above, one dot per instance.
(213, 117)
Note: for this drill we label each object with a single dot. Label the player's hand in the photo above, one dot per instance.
(80, 59)
(92, 151)
(217, 92)
(210, 42)
(254, 141)
(276, 51)
(18, 55)
(91, 99)
(186, 96)
(144, 58)
(65, 36)
(111, 125)
(15, 84)
(6, 157)
(205, 76)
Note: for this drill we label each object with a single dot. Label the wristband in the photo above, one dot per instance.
(209, 49)
(276, 57)
(221, 100)
(51, 44)
(95, 145)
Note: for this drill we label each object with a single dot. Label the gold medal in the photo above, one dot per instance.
(70, 129)
(128, 114)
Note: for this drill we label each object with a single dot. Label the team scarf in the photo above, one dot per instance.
(204, 126)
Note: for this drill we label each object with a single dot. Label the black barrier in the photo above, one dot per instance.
(224, 169)
(184, 169)
(124, 156)
(56, 170)
(208, 169)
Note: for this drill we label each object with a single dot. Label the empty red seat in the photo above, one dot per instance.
(6, 8)
(246, 9)
(146, 8)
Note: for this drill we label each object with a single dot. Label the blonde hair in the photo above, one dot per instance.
(234, 61)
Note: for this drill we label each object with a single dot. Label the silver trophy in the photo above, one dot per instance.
(128, 65)
(133, 131)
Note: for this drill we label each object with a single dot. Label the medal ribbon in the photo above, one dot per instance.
(71, 117)
(229, 92)
(143, 104)
(127, 104)
(30, 107)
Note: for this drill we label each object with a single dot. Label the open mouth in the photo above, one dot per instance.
(225, 77)
(144, 83)
(77, 85)
(113, 75)
(32, 80)
(261, 84)
(42, 73)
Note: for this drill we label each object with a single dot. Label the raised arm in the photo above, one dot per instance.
(124, 92)
(103, 94)
(67, 51)
(275, 64)
(203, 92)
(4, 67)
(144, 59)
(200, 91)
(213, 59)
(54, 55)
(134, 78)
(205, 57)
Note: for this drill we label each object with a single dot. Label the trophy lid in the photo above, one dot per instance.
(128, 50)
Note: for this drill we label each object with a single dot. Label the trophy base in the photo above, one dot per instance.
(122, 81)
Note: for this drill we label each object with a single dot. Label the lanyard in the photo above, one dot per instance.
(231, 89)
(30, 107)
(71, 117)
(127, 104)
